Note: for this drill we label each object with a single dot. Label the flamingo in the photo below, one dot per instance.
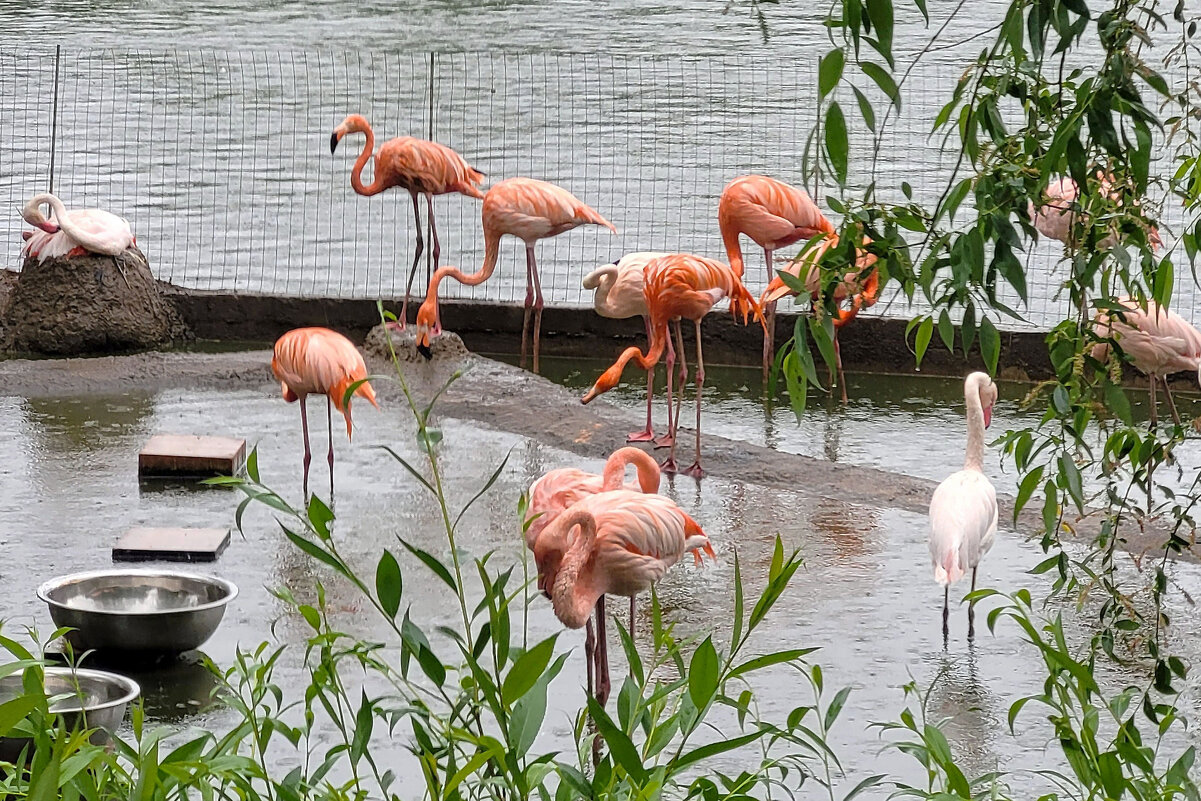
(72, 233)
(681, 285)
(1157, 341)
(1056, 217)
(618, 288)
(774, 215)
(627, 541)
(421, 167)
(558, 489)
(863, 292)
(530, 210)
(963, 509)
(318, 361)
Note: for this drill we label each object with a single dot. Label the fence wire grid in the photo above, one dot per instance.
(220, 159)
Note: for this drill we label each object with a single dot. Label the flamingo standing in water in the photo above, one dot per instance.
(530, 210)
(626, 542)
(318, 361)
(618, 296)
(421, 167)
(774, 215)
(963, 509)
(1056, 217)
(681, 285)
(72, 233)
(1159, 342)
(862, 292)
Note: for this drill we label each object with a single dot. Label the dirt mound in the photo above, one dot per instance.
(88, 304)
(444, 348)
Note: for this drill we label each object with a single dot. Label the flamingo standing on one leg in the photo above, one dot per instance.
(72, 233)
(681, 285)
(530, 210)
(963, 509)
(774, 215)
(1056, 217)
(421, 167)
(318, 361)
(862, 291)
(619, 295)
(626, 542)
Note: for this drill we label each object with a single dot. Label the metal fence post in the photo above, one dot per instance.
(54, 117)
(429, 222)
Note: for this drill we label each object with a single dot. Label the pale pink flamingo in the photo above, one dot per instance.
(419, 166)
(72, 233)
(861, 291)
(318, 361)
(619, 295)
(685, 286)
(1157, 341)
(1056, 217)
(963, 509)
(626, 542)
(529, 210)
(558, 489)
(774, 215)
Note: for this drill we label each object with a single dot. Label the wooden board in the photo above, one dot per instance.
(171, 545)
(184, 455)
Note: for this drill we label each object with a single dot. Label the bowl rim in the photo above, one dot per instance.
(132, 688)
(43, 591)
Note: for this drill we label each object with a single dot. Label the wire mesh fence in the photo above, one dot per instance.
(221, 162)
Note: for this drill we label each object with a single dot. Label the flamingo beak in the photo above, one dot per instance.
(334, 138)
(48, 227)
(987, 416)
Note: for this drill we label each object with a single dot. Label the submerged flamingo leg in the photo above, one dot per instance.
(529, 301)
(329, 419)
(648, 433)
(695, 470)
(946, 613)
(769, 334)
(308, 454)
(971, 609)
(669, 465)
(537, 308)
(404, 306)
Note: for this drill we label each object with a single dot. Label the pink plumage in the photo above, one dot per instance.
(70, 233)
(1158, 341)
(1056, 217)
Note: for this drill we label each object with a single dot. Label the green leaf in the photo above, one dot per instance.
(528, 714)
(14, 711)
(881, 15)
(623, 750)
(865, 109)
(487, 486)
(946, 330)
(739, 601)
(412, 470)
(528, 669)
(767, 660)
(389, 586)
(1117, 403)
(440, 570)
(924, 332)
(990, 344)
(713, 749)
(314, 550)
(1029, 484)
(829, 72)
(835, 707)
(837, 146)
(882, 79)
(703, 674)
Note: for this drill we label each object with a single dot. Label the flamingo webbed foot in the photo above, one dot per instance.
(395, 325)
(645, 435)
(663, 441)
(695, 470)
(668, 465)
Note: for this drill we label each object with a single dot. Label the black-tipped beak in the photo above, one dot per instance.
(425, 351)
(333, 142)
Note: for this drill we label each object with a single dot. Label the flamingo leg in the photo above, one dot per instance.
(946, 613)
(590, 654)
(683, 374)
(648, 433)
(842, 378)
(404, 306)
(669, 465)
(1154, 416)
(602, 649)
(308, 454)
(769, 335)
(429, 204)
(971, 609)
(632, 617)
(537, 308)
(1171, 402)
(529, 301)
(329, 419)
(673, 413)
(695, 470)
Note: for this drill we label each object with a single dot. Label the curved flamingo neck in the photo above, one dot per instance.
(491, 257)
(573, 595)
(356, 172)
(606, 280)
(974, 456)
(83, 238)
(729, 238)
(646, 467)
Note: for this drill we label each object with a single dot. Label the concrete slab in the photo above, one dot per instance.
(185, 455)
(171, 545)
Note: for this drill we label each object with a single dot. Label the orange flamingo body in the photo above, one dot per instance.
(421, 167)
(530, 210)
(318, 361)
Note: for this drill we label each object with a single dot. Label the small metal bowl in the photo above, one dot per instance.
(92, 699)
(147, 611)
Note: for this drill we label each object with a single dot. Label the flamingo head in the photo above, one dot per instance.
(354, 123)
(606, 382)
(32, 214)
(427, 326)
(988, 397)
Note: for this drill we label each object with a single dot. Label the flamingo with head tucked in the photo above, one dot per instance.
(1056, 217)
(419, 166)
(72, 233)
(530, 210)
(318, 361)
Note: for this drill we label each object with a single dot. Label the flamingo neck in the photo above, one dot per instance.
(356, 172)
(83, 238)
(974, 457)
(646, 467)
(729, 238)
(574, 594)
(491, 257)
(607, 280)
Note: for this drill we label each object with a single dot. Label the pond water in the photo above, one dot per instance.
(865, 595)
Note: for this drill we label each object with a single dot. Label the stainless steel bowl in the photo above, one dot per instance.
(158, 611)
(91, 699)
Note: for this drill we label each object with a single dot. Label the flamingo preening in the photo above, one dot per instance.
(774, 215)
(963, 509)
(530, 210)
(318, 361)
(1055, 218)
(72, 233)
(421, 167)
(681, 286)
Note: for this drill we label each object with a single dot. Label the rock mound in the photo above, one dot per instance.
(88, 304)
(444, 348)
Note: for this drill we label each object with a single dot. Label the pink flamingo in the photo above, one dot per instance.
(318, 361)
(774, 215)
(72, 233)
(626, 542)
(421, 167)
(529, 210)
(1159, 342)
(681, 285)
(963, 509)
(1056, 217)
(619, 295)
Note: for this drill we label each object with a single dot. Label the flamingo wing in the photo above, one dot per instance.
(963, 524)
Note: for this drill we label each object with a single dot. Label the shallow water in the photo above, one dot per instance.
(865, 597)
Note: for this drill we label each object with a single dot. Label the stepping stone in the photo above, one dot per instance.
(182, 455)
(171, 545)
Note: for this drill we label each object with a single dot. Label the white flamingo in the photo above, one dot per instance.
(72, 233)
(963, 509)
